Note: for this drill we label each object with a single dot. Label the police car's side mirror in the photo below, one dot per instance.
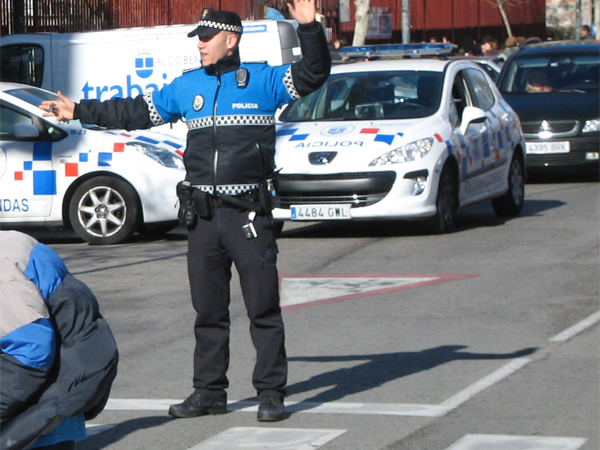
(25, 131)
(471, 114)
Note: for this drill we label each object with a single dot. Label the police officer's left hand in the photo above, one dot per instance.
(304, 11)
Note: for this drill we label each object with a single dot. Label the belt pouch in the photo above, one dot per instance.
(203, 204)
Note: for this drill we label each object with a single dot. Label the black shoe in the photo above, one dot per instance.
(270, 409)
(199, 405)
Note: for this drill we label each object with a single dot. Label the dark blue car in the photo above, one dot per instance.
(554, 88)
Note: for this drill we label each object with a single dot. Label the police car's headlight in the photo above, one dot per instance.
(591, 126)
(158, 154)
(408, 152)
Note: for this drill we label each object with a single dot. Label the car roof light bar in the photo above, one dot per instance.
(415, 50)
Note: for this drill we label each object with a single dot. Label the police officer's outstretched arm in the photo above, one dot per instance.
(313, 69)
(128, 113)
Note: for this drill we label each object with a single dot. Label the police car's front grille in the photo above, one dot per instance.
(355, 189)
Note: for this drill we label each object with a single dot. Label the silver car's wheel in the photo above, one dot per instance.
(104, 210)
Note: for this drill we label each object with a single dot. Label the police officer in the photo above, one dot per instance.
(226, 198)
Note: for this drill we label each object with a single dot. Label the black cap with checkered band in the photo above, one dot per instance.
(212, 21)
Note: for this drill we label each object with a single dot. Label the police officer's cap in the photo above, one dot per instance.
(212, 21)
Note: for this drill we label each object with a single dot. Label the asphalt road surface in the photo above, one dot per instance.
(483, 339)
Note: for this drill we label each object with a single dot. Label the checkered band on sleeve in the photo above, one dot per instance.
(289, 85)
(152, 112)
(195, 124)
(220, 26)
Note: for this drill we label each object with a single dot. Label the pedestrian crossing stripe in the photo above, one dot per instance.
(304, 290)
(488, 441)
(239, 438)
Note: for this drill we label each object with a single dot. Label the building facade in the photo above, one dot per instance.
(455, 18)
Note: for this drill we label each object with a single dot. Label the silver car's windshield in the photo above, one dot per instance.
(370, 96)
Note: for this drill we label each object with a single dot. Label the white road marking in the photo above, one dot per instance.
(94, 429)
(302, 290)
(239, 438)
(577, 328)
(502, 442)
(493, 378)
(296, 291)
(394, 409)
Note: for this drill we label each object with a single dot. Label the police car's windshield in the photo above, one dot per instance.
(370, 96)
(33, 96)
(555, 73)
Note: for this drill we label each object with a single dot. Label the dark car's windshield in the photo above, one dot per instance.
(556, 73)
(370, 96)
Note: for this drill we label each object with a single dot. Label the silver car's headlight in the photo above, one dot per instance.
(408, 152)
(159, 154)
(591, 126)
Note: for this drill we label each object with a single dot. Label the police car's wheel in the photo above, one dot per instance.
(511, 203)
(278, 227)
(446, 203)
(104, 210)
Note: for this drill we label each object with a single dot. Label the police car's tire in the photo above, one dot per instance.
(446, 203)
(104, 210)
(278, 227)
(511, 203)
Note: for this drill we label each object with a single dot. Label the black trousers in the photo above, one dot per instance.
(213, 245)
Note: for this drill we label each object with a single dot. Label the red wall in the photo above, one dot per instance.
(458, 17)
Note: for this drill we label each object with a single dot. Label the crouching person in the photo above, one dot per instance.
(58, 354)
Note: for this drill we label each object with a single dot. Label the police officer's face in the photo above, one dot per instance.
(216, 47)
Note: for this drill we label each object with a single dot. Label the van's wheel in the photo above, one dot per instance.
(104, 210)
(446, 203)
(511, 203)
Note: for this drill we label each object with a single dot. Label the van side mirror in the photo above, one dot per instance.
(25, 131)
(471, 114)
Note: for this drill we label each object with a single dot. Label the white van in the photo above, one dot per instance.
(129, 61)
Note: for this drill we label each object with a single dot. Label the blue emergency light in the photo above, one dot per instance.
(414, 50)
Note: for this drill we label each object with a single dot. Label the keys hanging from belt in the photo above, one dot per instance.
(249, 229)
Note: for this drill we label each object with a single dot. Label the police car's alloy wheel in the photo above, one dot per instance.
(104, 210)
(511, 203)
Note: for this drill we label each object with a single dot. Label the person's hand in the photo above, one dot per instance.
(304, 11)
(61, 109)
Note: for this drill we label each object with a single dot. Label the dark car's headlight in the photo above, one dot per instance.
(591, 125)
(159, 154)
(406, 153)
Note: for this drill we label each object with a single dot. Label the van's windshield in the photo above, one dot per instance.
(22, 63)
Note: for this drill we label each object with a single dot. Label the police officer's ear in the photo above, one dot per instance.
(232, 40)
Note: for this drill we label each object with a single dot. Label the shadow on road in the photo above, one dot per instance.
(115, 434)
(475, 216)
(379, 369)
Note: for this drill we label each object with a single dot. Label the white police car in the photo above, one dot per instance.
(399, 139)
(105, 184)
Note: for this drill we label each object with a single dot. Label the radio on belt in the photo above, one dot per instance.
(249, 229)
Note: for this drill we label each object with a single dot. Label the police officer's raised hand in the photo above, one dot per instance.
(304, 11)
(61, 109)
